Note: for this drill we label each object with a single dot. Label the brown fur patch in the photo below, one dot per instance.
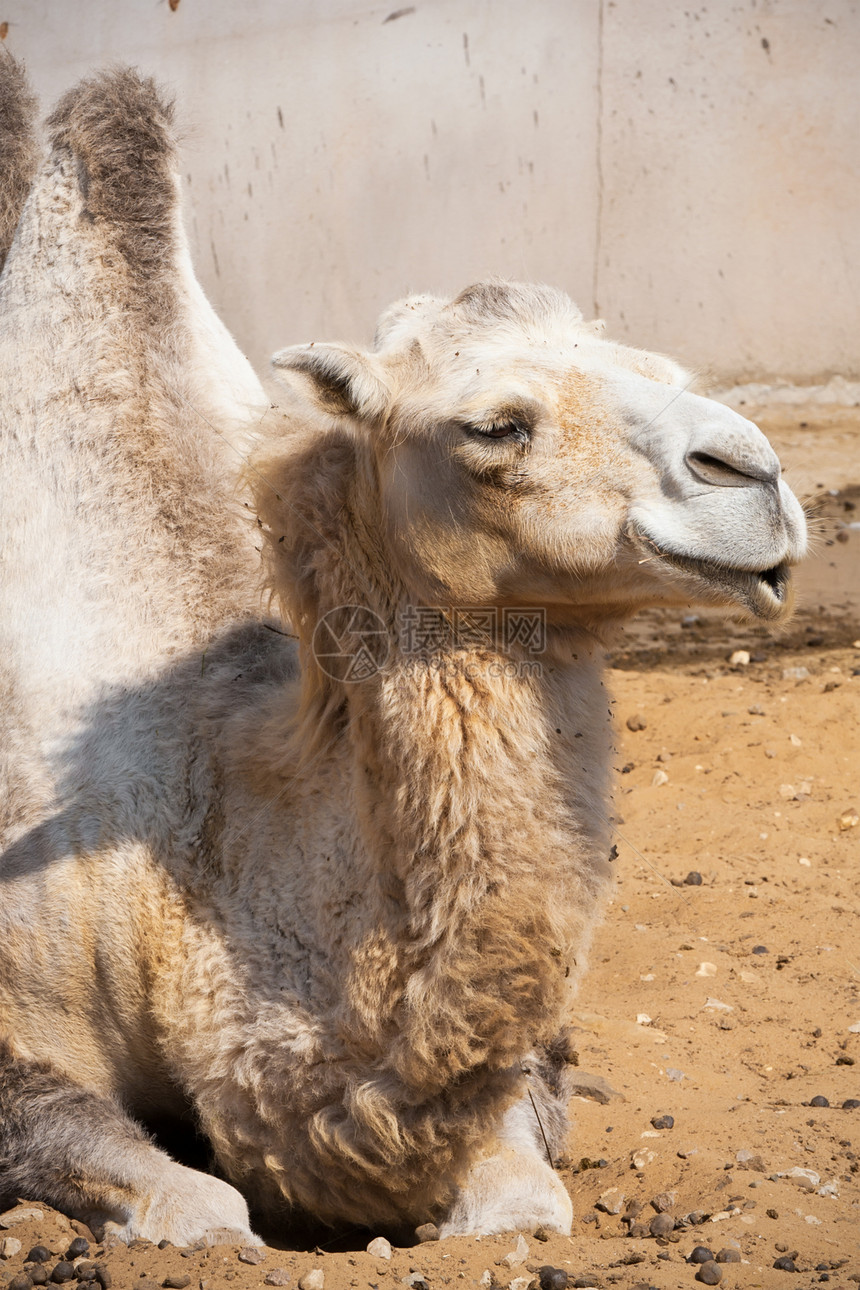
(119, 129)
(18, 147)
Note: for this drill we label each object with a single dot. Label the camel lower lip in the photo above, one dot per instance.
(763, 591)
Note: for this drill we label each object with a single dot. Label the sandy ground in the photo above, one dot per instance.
(727, 1003)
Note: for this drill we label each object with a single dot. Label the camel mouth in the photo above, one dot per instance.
(765, 593)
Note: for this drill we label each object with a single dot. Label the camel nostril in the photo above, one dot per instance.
(726, 474)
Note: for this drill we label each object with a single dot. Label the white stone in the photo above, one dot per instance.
(313, 1280)
(515, 1257)
(380, 1248)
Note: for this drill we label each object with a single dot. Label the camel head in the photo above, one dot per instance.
(520, 458)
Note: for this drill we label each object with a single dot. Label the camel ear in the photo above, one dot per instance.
(341, 382)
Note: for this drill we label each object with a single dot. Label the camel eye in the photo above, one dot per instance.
(509, 428)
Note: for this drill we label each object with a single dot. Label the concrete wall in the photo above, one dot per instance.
(691, 174)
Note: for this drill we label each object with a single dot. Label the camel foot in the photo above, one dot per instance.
(509, 1192)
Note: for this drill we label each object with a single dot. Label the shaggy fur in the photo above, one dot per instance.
(339, 920)
(18, 148)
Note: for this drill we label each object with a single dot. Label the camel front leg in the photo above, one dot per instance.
(81, 1153)
(514, 1189)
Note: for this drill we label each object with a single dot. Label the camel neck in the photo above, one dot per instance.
(475, 809)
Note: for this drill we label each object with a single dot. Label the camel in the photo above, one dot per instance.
(304, 743)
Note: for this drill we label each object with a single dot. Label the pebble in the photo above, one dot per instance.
(611, 1201)
(427, 1232)
(21, 1214)
(103, 1276)
(38, 1275)
(637, 722)
(710, 1273)
(78, 1248)
(9, 1247)
(728, 1255)
(850, 1104)
(693, 879)
(63, 1271)
(662, 1122)
(39, 1254)
(277, 1277)
(760, 949)
(664, 1200)
(551, 1278)
(662, 1225)
(847, 820)
(740, 658)
(176, 1283)
(701, 1254)
(515, 1257)
(674, 1074)
(20, 1282)
(819, 1101)
(642, 1158)
(313, 1280)
(380, 1248)
(84, 1270)
(785, 1264)
(251, 1254)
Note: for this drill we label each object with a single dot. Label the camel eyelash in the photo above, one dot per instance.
(502, 427)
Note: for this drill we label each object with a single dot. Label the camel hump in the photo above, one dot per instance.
(118, 127)
(18, 147)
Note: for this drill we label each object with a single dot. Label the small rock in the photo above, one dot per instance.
(103, 1277)
(380, 1248)
(642, 1158)
(21, 1214)
(595, 1087)
(785, 1264)
(659, 779)
(662, 1224)
(176, 1283)
(313, 1280)
(63, 1271)
(807, 1178)
(819, 1101)
(9, 1247)
(20, 1282)
(427, 1232)
(84, 1270)
(277, 1277)
(693, 879)
(710, 1273)
(728, 1255)
(515, 1257)
(38, 1254)
(850, 1104)
(756, 710)
(611, 1201)
(740, 658)
(847, 820)
(760, 949)
(674, 1074)
(706, 969)
(550, 1278)
(636, 722)
(701, 1254)
(664, 1201)
(662, 1122)
(251, 1254)
(415, 1280)
(78, 1248)
(540, 1234)
(772, 1213)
